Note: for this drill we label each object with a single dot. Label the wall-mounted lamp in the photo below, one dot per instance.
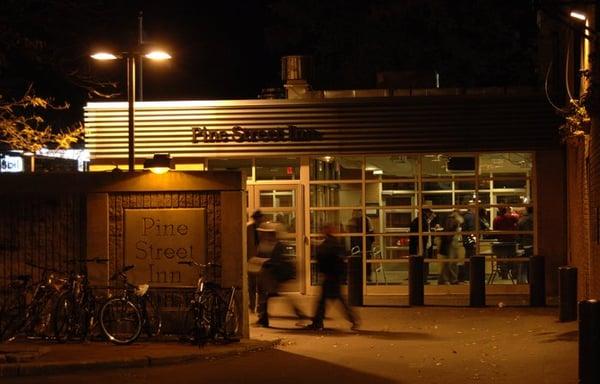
(159, 164)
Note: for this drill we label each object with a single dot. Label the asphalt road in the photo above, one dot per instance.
(394, 345)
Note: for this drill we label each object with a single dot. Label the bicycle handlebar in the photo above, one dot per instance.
(92, 260)
(42, 268)
(196, 264)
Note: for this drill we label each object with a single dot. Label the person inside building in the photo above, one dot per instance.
(525, 223)
(505, 220)
(252, 240)
(429, 222)
(469, 240)
(451, 248)
(330, 264)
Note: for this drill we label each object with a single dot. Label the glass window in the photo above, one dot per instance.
(336, 168)
(438, 165)
(505, 163)
(243, 165)
(340, 218)
(277, 168)
(390, 167)
(386, 273)
(336, 195)
(277, 198)
(391, 194)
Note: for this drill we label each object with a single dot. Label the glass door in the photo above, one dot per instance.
(282, 204)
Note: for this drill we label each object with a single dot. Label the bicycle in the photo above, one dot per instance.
(213, 313)
(75, 311)
(32, 317)
(123, 317)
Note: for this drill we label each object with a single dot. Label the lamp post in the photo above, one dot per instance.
(130, 60)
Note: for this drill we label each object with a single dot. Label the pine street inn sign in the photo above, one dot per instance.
(238, 134)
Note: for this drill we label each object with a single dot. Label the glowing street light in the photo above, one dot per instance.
(130, 58)
(578, 15)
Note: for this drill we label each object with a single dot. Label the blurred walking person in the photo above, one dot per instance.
(330, 265)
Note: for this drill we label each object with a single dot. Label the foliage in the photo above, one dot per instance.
(577, 120)
(23, 126)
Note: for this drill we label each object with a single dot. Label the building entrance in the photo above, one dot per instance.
(282, 204)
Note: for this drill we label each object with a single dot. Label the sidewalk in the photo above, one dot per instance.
(28, 358)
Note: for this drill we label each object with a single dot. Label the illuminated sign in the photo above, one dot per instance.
(157, 239)
(238, 134)
(11, 164)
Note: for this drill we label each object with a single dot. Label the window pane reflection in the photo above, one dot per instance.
(336, 168)
(335, 195)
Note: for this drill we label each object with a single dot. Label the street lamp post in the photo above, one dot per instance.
(131, 111)
(130, 59)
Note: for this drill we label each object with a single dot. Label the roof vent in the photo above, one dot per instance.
(296, 74)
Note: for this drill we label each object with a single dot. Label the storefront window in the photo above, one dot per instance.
(277, 169)
(243, 165)
(390, 167)
(336, 168)
(336, 195)
(393, 194)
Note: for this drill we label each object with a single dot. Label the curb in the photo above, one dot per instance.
(57, 367)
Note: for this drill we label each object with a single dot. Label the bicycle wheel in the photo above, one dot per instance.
(120, 321)
(64, 317)
(70, 320)
(211, 307)
(231, 322)
(11, 318)
(152, 317)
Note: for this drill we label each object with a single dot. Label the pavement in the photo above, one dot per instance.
(496, 344)
(31, 358)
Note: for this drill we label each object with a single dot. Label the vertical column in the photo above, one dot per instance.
(233, 251)
(97, 237)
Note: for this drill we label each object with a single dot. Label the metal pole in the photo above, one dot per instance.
(140, 42)
(567, 289)
(131, 105)
(477, 281)
(416, 289)
(589, 341)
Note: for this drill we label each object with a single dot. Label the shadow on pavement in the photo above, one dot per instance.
(565, 336)
(388, 335)
(269, 366)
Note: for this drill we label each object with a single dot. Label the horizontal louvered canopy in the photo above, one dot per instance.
(365, 125)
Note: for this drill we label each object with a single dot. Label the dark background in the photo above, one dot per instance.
(232, 49)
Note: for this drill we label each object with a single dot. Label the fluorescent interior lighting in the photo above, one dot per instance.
(378, 172)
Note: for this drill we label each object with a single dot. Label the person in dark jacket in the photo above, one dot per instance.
(330, 265)
(428, 224)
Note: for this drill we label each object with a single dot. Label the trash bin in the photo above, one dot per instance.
(355, 281)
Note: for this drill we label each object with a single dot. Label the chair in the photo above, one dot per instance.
(376, 254)
(502, 250)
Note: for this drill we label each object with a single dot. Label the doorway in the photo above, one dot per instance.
(282, 204)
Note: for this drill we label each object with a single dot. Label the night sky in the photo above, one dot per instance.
(232, 49)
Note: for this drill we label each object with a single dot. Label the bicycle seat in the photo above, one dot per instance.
(141, 289)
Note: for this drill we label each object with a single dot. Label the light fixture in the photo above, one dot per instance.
(159, 164)
(157, 55)
(578, 15)
(130, 59)
(104, 56)
(378, 172)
